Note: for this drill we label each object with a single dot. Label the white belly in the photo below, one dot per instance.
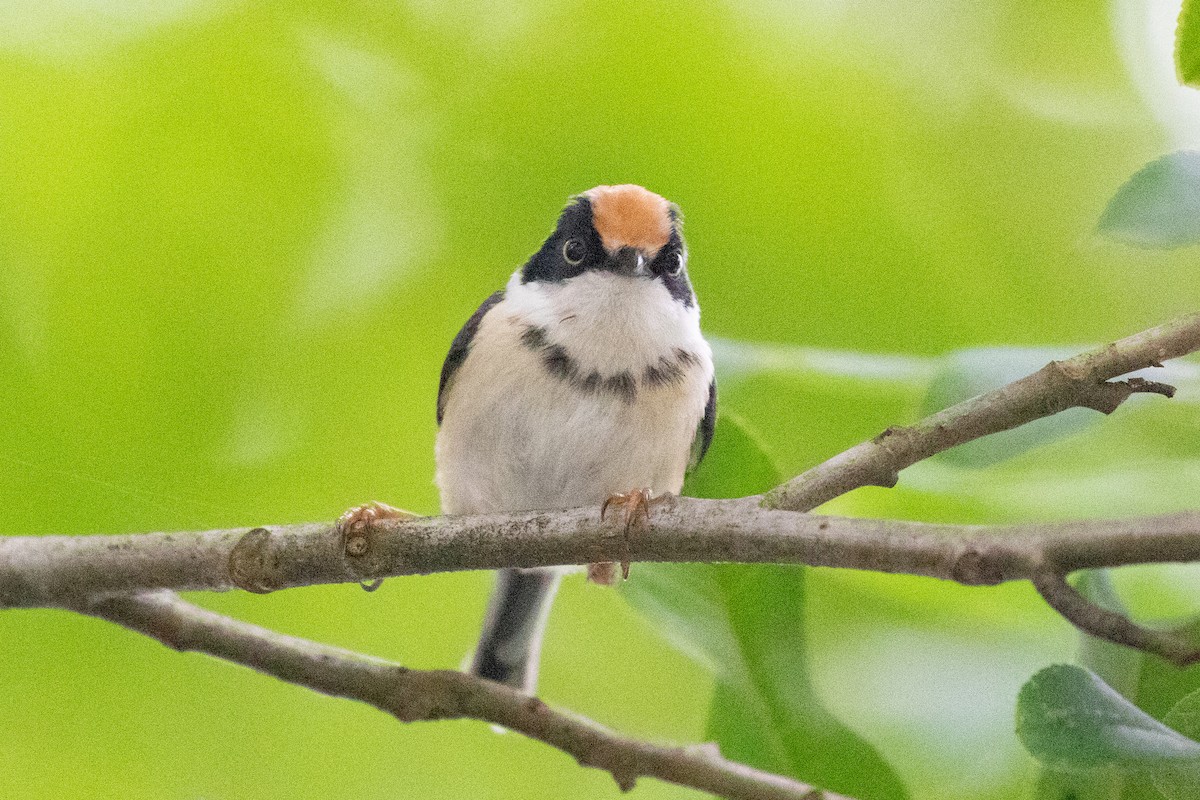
(516, 437)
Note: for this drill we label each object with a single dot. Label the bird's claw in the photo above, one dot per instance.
(352, 526)
(637, 505)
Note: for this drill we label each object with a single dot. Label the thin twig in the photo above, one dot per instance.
(414, 695)
(1105, 624)
(1084, 381)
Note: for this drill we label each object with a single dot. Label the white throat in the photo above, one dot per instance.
(607, 322)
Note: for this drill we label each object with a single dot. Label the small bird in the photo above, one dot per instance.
(586, 380)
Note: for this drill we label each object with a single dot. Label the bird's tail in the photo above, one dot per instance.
(512, 630)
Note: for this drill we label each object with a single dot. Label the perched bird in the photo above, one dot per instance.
(585, 380)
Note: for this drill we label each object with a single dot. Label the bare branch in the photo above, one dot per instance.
(415, 695)
(67, 570)
(1083, 381)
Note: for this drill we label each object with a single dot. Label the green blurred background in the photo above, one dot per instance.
(236, 239)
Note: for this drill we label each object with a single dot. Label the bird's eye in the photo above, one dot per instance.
(677, 266)
(574, 251)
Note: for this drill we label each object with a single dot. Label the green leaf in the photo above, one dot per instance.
(1182, 782)
(1159, 206)
(1187, 44)
(1184, 716)
(773, 718)
(686, 602)
(1069, 719)
(809, 403)
(1120, 667)
(1178, 781)
(735, 465)
(746, 624)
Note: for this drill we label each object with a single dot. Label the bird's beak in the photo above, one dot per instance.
(630, 261)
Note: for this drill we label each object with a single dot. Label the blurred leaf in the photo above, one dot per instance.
(967, 373)
(736, 358)
(746, 624)
(1187, 44)
(809, 403)
(1182, 782)
(735, 465)
(1070, 719)
(773, 719)
(1178, 781)
(686, 602)
(1184, 716)
(1119, 667)
(1078, 463)
(1159, 206)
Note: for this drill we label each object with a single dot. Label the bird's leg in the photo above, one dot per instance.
(637, 504)
(352, 528)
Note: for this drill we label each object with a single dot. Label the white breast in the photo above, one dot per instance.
(515, 436)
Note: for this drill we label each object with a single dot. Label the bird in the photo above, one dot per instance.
(585, 380)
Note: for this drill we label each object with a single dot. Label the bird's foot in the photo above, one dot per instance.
(353, 525)
(637, 505)
(360, 517)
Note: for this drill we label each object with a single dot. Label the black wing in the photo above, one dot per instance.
(459, 349)
(704, 433)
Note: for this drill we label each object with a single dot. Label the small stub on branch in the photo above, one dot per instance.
(1151, 387)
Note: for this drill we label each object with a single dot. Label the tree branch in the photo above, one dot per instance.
(1105, 624)
(1083, 381)
(415, 695)
(67, 570)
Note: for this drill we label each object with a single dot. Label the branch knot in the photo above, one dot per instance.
(973, 567)
(248, 562)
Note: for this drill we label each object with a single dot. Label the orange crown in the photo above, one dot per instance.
(630, 216)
